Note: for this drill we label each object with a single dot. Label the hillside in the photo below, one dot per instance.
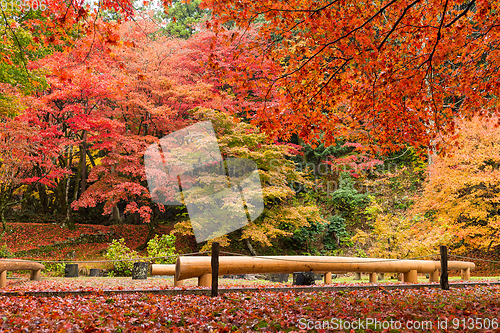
(85, 242)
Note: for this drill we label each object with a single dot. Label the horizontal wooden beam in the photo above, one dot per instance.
(157, 269)
(191, 267)
(19, 265)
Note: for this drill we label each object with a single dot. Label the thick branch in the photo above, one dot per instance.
(438, 37)
(466, 10)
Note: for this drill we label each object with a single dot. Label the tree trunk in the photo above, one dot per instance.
(151, 233)
(68, 220)
(115, 212)
(83, 161)
(431, 150)
(4, 223)
(250, 247)
(44, 201)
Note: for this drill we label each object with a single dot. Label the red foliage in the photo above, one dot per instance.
(30, 236)
(384, 72)
(258, 310)
(27, 236)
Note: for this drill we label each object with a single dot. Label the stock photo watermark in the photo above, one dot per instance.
(221, 195)
(23, 5)
(463, 324)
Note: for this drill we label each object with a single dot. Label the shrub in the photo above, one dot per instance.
(117, 250)
(163, 246)
(347, 201)
(331, 235)
(5, 252)
(55, 269)
(309, 238)
(335, 233)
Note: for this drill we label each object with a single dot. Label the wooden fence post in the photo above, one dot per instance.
(215, 269)
(444, 268)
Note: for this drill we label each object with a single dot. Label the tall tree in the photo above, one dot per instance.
(161, 80)
(282, 214)
(79, 102)
(460, 202)
(27, 155)
(34, 29)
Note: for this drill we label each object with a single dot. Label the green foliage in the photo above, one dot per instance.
(408, 157)
(407, 179)
(315, 156)
(308, 238)
(336, 233)
(18, 49)
(117, 250)
(5, 252)
(182, 18)
(386, 235)
(347, 201)
(328, 236)
(162, 246)
(55, 269)
(281, 215)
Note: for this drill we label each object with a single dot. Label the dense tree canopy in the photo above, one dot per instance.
(86, 88)
(387, 72)
(183, 18)
(282, 214)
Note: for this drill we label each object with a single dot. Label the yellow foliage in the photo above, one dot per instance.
(241, 140)
(462, 193)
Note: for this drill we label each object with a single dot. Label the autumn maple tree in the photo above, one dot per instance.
(34, 29)
(27, 154)
(282, 212)
(459, 205)
(388, 72)
(157, 80)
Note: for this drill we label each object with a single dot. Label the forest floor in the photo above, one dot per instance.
(20, 282)
(471, 309)
(87, 242)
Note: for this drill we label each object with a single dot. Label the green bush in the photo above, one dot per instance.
(308, 238)
(163, 246)
(335, 233)
(330, 235)
(5, 252)
(347, 201)
(55, 269)
(117, 250)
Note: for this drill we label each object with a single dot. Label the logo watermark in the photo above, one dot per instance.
(391, 324)
(327, 175)
(221, 195)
